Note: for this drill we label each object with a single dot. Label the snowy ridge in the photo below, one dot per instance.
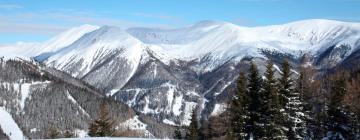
(219, 41)
(226, 41)
(92, 48)
(167, 72)
(32, 49)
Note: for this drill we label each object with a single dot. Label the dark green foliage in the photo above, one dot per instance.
(177, 133)
(325, 107)
(103, 125)
(338, 118)
(193, 129)
(253, 125)
(238, 109)
(305, 89)
(285, 84)
(272, 117)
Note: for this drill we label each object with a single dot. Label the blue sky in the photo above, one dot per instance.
(36, 20)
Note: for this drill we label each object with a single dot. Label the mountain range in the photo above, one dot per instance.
(166, 73)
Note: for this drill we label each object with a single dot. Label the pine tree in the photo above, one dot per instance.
(271, 116)
(304, 86)
(338, 120)
(296, 124)
(253, 125)
(290, 100)
(285, 84)
(238, 108)
(93, 128)
(193, 129)
(103, 125)
(177, 133)
(53, 133)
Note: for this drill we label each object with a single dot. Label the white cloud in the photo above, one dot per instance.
(31, 28)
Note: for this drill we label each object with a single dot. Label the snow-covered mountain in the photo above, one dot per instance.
(35, 98)
(165, 73)
(31, 49)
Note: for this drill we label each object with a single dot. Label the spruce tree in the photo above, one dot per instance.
(272, 117)
(103, 125)
(177, 133)
(296, 124)
(93, 128)
(285, 83)
(193, 129)
(290, 101)
(238, 108)
(285, 89)
(338, 119)
(305, 89)
(253, 125)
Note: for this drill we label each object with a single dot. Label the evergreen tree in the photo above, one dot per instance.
(296, 124)
(238, 108)
(193, 129)
(285, 89)
(177, 133)
(68, 134)
(53, 133)
(271, 115)
(253, 125)
(285, 84)
(304, 86)
(320, 115)
(93, 128)
(290, 101)
(103, 125)
(338, 120)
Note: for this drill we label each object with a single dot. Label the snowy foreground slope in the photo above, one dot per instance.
(105, 138)
(166, 73)
(9, 126)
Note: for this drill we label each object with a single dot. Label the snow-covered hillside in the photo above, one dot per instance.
(94, 48)
(221, 40)
(165, 73)
(106, 138)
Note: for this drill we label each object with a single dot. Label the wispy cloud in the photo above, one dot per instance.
(10, 6)
(30, 28)
(51, 22)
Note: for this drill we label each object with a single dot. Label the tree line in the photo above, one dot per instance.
(289, 106)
